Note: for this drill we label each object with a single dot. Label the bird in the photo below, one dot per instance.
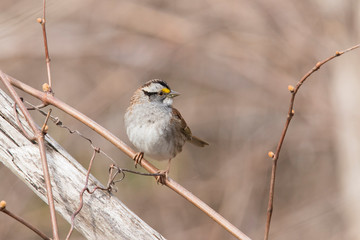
(155, 127)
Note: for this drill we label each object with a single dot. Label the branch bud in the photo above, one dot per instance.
(46, 87)
(291, 88)
(45, 129)
(2, 205)
(317, 66)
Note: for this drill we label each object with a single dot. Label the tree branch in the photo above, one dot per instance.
(290, 114)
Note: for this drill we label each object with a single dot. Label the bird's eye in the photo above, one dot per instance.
(161, 93)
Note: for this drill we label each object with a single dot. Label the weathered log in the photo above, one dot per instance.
(103, 216)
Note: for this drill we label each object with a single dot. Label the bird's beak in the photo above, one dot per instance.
(173, 94)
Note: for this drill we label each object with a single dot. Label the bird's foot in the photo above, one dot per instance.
(137, 158)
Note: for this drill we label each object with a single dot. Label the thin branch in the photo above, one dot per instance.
(40, 140)
(122, 171)
(50, 99)
(44, 128)
(290, 114)
(31, 138)
(37, 107)
(42, 21)
(82, 194)
(22, 221)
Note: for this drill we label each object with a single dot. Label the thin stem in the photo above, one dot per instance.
(82, 194)
(23, 221)
(47, 57)
(44, 127)
(31, 138)
(290, 115)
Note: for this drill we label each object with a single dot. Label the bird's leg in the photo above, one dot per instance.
(164, 174)
(138, 157)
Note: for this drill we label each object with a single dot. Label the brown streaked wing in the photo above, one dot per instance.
(183, 126)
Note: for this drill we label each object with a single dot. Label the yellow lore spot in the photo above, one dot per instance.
(165, 90)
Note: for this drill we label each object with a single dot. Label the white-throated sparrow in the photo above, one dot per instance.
(154, 126)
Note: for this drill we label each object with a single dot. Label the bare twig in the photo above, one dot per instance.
(31, 138)
(44, 128)
(37, 107)
(86, 188)
(119, 170)
(22, 221)
(40, 140)
(49, 99)
(42, 21)
(290, 114)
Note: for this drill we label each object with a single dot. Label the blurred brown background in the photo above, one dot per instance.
(232, 62)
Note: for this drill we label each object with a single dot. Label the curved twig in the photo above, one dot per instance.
(290, 114)
(86, 188)
(31, 138)
(42, 21)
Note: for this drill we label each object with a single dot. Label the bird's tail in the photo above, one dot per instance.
(198, 142)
